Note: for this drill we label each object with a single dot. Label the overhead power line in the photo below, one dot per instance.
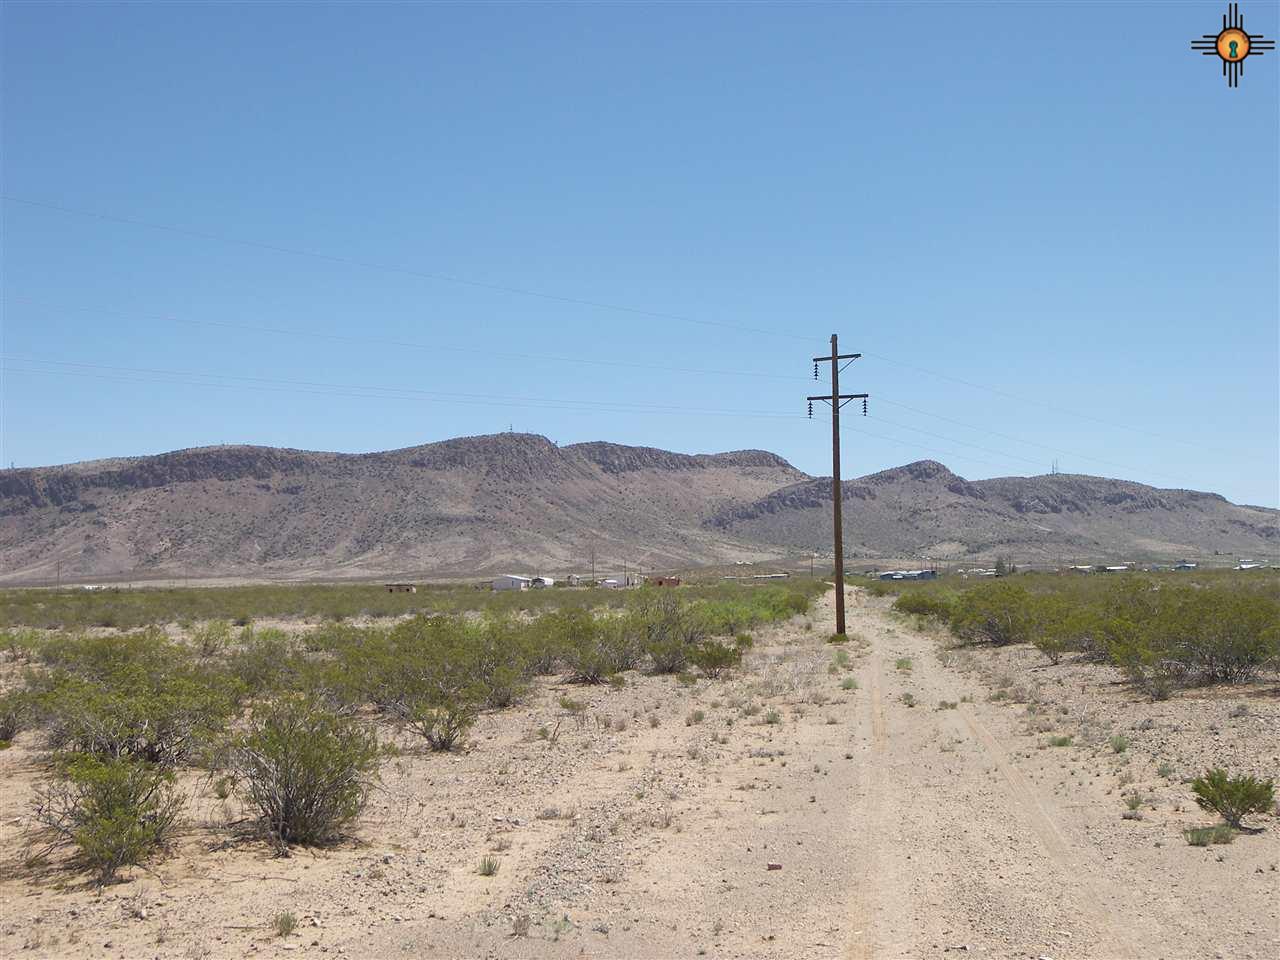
(1039, 403)
(201, 378)
(387, 342)
(519, 291)
(589, 361)
(406, 271)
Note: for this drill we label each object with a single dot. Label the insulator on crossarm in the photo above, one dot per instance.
(815, 369)
(810, 409)
(864, 406)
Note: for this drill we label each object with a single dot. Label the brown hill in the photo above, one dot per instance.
(923, 509)
(461, 506)
(516, 501)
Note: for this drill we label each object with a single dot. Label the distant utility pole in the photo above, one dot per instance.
(837, 400)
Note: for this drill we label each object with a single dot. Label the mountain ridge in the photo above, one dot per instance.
(468, 505)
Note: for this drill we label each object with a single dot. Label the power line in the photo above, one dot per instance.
(382, 341)
(1007, 436)
(1040, 403)
(204, 235)
(201, 378)
(434, 347)
(406, 271)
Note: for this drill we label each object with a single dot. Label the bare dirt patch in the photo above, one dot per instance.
(909, 815)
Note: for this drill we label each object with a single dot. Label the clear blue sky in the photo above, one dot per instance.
(1060, 202)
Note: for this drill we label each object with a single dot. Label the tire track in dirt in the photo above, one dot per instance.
(1033, 812)
(867, 821)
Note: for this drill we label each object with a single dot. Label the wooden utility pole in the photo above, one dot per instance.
(837, 400)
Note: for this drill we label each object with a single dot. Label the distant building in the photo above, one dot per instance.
(402, 588)
(911, 574)
(663, 581)
(1185, 565)
(537, 583)
(1250, 565)
(510, 581)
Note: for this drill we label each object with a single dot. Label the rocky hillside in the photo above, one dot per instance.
(515, 501)
(461, 506)
(923, 509)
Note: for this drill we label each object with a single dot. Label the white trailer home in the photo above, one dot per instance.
(510, 581)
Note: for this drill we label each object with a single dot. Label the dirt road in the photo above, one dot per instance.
(908, 813)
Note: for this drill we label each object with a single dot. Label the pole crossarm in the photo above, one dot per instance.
(836, 400)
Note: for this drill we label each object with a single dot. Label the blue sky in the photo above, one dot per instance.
(1057, 206)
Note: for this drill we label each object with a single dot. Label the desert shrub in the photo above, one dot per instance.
(20, 644)
(595, 648)
(998, 613)
(498, 655)
(1218, 635)
(144, 699)
(714, 658)
(744, 641)
(442, 721)
(306, 770)
(435, 673)
(668, 630)
(212, 638)
(1203, 836)
(1233, 798)
(1057, 626)
(924, 604)
(116, 812)
(284, 923)
(266, 661)
(15, 711)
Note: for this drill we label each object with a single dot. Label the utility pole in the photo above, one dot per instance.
(837, 400)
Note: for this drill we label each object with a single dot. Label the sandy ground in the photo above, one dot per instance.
(640, 830)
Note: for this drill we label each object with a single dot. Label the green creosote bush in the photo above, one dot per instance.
(669, 631)
(1119, 743)
(848, 683)
(1233, 798)
(1203, 836)
(304, 769)
(838, 638)
(996, 613)
(903, 663)
(134, 695)
(924, 603)
(772, 717)
(744, 641)
(1060, 741)
(15, 712)
(116, 812)
(488, 866)
(212, 638)
(594, 648)
(713, 658)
